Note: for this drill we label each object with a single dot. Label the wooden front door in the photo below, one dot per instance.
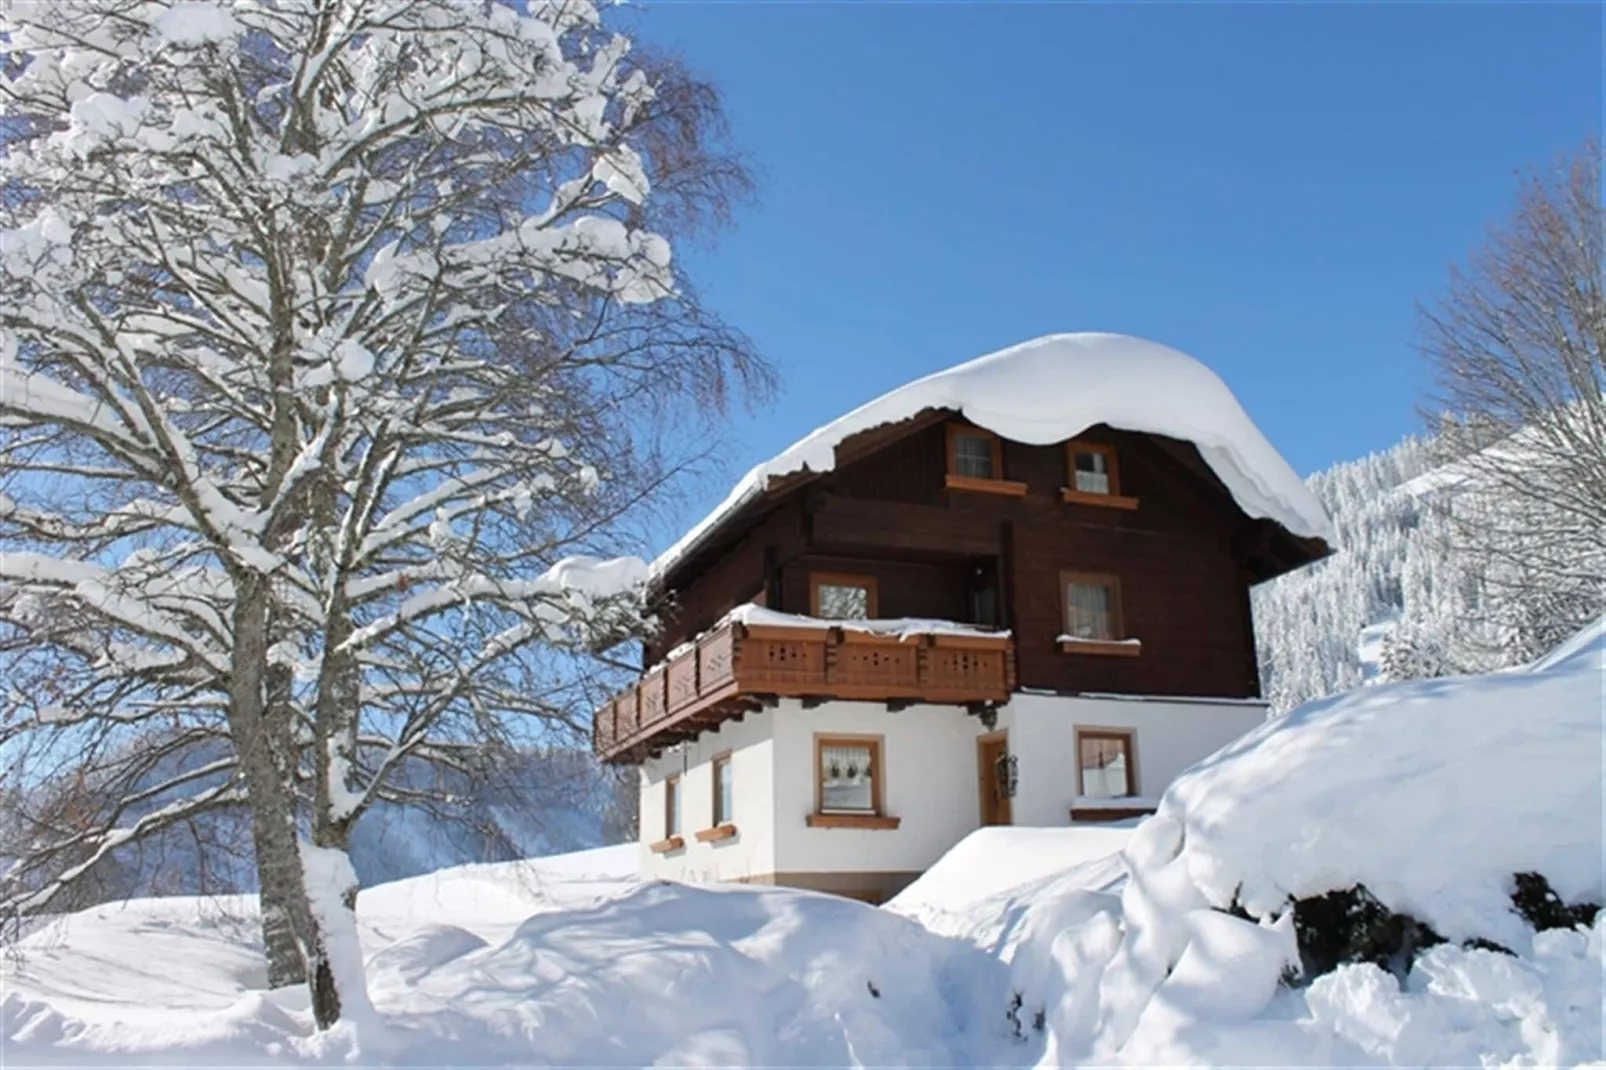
(992, 755)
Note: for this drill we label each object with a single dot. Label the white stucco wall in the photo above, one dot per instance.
(1167, 737)
(928, 758)
(752, 849)
(929, 778)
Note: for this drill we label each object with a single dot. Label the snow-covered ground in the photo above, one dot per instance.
(567, 960)
(1109, 945)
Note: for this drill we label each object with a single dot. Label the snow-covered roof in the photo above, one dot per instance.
(1051, 389)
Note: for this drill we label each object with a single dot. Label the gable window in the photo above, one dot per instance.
(1094, 472)
(724, 784)
(1105, 769)
(1092, 606)
(672, 806)
(835, 596)
(1095, 476)
(973, 455)
(847, 774)
(976, 462)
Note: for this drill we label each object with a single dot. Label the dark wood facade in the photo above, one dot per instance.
(1185, 556)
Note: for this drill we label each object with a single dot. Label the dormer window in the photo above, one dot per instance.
(976, 462)
(835, 596)
(1095, 476)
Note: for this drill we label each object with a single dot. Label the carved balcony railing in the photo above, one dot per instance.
(737, 668)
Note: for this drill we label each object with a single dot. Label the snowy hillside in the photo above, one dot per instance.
(1400, 598)
(1206, 935)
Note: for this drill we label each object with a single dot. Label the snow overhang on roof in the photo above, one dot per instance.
(1051, 389)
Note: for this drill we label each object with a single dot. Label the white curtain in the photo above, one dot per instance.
(1092, 473)
(1104, 772)
(1089, 611)
(846, 778)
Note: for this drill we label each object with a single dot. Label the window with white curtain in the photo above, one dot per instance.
(1090, 608)
(847, 776)
(1092, 472)
(973, 456)
(1106, 765)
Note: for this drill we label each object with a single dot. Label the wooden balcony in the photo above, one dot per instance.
(738, 668)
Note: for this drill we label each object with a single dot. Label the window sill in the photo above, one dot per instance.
(717, 833)
(1094, 815)
(665, 846)
(852, 821)
(1008, 488)
(1118, 648)
(1109, 501)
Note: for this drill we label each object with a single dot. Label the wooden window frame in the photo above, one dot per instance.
(717, 762)
(1119, 645)
(876, 817)
(1129, 738)
(1112, 461)
(673, 839)
(842, 579)
(672, 792)
(997, 484)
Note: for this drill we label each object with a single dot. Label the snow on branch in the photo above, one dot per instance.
(344, 351)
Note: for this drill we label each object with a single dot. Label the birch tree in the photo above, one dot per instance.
(337, 339)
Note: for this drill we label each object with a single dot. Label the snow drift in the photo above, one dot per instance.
(1431, 794)
(564, 961)
(1053, 388)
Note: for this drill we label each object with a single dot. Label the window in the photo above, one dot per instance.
(672, 806)
(1095, 476)
(847, 775)
(976, 463)
(1092, 606)
(1093, 469)
(1105, 765)
(984, 606)
(973, 455)
(723, 784)
(839, 597)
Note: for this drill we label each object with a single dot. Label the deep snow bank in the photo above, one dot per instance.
(1053, 388)
(1433, 795)
(976, 890)
(565, 961)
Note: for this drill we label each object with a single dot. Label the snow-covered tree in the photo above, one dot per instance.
(1517, 345)
(333, 335)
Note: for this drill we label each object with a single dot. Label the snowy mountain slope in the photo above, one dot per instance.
(1401, 598)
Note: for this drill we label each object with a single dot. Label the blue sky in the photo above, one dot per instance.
(1270, 187)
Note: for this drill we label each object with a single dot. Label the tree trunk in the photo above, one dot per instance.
(271, 796)
(338, 984)
(279, 940)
